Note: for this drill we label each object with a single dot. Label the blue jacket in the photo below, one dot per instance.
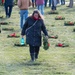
(33, 35)
(8, 2)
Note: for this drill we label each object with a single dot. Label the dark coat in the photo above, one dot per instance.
(33, 35)
(8, 2)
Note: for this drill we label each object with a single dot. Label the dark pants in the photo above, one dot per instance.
(62, 2)
(71, 4)
(53, 6)
(46, 3)
(34, 51)
(8, 10)
(33, 1)
(58, 2)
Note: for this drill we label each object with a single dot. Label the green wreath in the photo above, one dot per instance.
(45, 43)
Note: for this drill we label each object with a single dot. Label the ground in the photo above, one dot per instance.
(54, 61)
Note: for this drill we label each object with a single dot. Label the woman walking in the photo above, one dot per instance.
(32, 29)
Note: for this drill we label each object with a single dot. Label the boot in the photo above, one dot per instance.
(32, 57)
(36, 56)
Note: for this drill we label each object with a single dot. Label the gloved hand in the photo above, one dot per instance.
(22, 41)
(47, 37)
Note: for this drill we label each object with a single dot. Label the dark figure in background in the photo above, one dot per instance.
(8, 7)
(62, 2)
(58, 1)
(33, 3)
(54, 3)
(70, 4)
(32, 29)
(46, 3)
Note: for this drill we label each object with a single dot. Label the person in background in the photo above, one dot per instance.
(58, 1)
(32, 29)
(70, 4)
(33, 3)
(46, 3)
(23, 6)
(62, 2)
(8, 4)
(54, 3)
(40, 6)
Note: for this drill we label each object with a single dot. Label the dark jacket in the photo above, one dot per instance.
(8, 2)
(33, 35)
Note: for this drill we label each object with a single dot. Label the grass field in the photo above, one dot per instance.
(55, 61)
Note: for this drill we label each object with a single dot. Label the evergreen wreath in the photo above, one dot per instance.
(45, 43)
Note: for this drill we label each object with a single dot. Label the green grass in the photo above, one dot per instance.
(55, 61)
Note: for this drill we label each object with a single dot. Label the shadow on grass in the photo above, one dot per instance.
(31, 63)
(68, 9)
(3, 19)
(19, 66)
(2, 73)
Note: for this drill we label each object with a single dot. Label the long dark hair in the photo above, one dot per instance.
(37, 11)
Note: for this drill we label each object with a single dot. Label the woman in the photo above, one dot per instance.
(40, 6)
(8, 7)
(23, 6)
(32, 29)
